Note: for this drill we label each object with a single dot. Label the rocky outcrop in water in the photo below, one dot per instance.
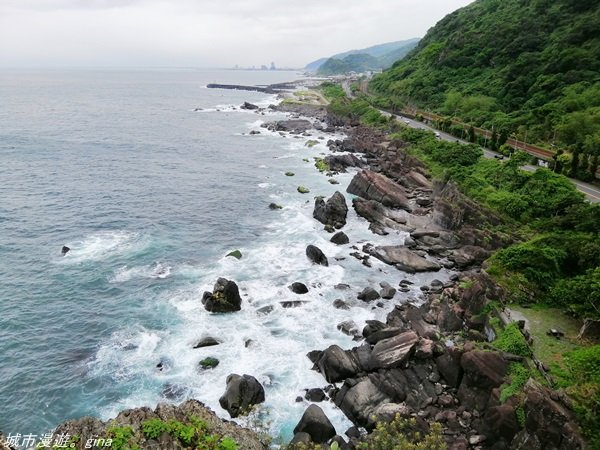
(315, 423)
(89, 429)
(241, 394)
(332, 212)
(225, 297)
(316, 255)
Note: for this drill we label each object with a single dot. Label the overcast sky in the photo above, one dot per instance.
(203, 33)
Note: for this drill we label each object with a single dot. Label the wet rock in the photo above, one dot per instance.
(207, 342)
(340, 238)
(368, 294)
(292, 303)
(315, 395)
(224, 298)
(303, 189)
(293, 126)
(316, 424)
(235, 254)
(241, 393)
(392, 352)
(274, 206)
(385, 333)
(298, 288)
(268, 309)
(373, 186)
(64, 250)
(316, 255)
(358, 399)
(173, 392)
(348, 327)
(339, 163)
(209, 363)
(403, 258)
(373, 326)
(248, 106)
(333, 212)
(387, 292)
(336, 364)
(340, 304)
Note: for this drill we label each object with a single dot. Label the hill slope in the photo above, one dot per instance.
(528, 66)
(384, 51)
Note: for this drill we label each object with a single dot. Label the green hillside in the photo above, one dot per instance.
(530, 67)
(360, 62)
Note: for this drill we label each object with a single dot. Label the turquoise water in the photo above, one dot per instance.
(150, 196)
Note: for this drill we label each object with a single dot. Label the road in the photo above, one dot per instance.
(592, 193)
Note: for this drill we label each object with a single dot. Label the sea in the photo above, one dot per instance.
(151, 179)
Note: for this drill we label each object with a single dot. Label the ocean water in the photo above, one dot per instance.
(150, 196)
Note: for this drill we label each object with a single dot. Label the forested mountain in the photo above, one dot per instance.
(530, 67)
(383, 56)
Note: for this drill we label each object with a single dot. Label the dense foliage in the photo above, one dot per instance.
(528, 67)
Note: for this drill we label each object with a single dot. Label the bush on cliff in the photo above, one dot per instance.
(403, 434)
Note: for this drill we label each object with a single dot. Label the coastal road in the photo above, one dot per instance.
(592, 193)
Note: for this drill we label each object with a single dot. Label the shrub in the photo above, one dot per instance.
(403, 434)
(511, 340)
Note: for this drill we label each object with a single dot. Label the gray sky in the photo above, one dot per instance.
(203, 33)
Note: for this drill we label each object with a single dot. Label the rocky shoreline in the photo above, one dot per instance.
(431, 360)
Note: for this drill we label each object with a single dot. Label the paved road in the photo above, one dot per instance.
(591, 192)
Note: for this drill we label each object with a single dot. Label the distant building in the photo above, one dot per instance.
(263, 67)
(273, 66)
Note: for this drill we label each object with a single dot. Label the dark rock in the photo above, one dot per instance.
(403, 258)
(64, 250)
(298, 288)
(387, 292)
(241, 393)
(449, 367)
(174, 392)
(342, 287)
(339, 163)
(315, 395)
(380, 217)
(268, 309)
(314, 355)
(392, 352)
(316, 255)
(292, 303)
(333, 212)
(373, 326)
(359, 399)
(373, 186)
(301, 438)
(386, 333)
(316, 424)
(248, 106)
(235, 254)
(293, 125)
(340, 304)
(348, 327)
(224, 298)
(207, 342)
(549, 424)
(336, 364)
(275, 206)
(368, 294)
(483, 369)
(340, 238)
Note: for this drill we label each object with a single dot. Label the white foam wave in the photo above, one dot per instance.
(156, 270)
(102, 245)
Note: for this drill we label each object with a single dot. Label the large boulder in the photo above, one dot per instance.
(549, 424)
(315, 423)
(359, 399)
(241, 393)
(316, 255)
(373, 186)
(224, 298)
(333, 212)
(337, 364)
(340, 238)
(392, 352)
(403, 259)
(293, 125)
(483, 369)
(339, 163)
(380, 217)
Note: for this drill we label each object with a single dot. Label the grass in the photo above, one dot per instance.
(548, 349)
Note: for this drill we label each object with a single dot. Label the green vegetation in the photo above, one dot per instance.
(194, 435)
(321, 164)
(510, 339)
(403, 434)
(371, 58)
(235, 254)
(518, 375)
(360, 111)
(122, 438)
(311, 143)
(523, 68)
(209, 363)
(332, 90)
(303, 190)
